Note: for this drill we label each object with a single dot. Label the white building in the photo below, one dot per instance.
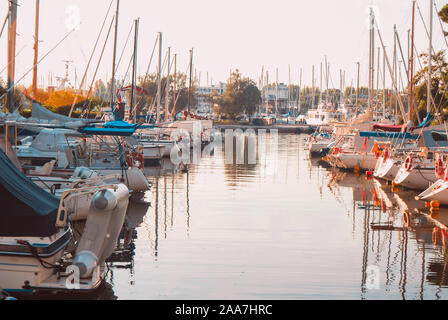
(203, 93)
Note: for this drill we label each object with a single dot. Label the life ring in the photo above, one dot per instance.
(439, 168)
(406, 219)
(408, 163)
(445, 177)
(436, 234)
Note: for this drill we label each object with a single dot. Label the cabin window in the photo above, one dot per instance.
(437, 136)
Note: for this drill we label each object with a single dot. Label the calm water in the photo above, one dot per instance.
(285, 228)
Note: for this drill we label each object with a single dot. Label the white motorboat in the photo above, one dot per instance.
(58, 152)
(35, 234)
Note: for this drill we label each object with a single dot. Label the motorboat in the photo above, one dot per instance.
(58, 152)
(37, 249)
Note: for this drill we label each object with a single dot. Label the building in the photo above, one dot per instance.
(277, 96)
(203, 93)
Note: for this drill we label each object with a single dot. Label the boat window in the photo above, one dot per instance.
(438, 136)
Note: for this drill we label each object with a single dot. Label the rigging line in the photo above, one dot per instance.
(421, 67)
(125, 45)
(441, 26)
(147, 70)
(99, 61)
(4, 24)
(11, 60)
(90, 59)
(41, 59)
(432, 47)
(153, 102)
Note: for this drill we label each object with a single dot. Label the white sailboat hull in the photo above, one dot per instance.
(437, 191)
(387, 170)
(415, 178)
(365, 162)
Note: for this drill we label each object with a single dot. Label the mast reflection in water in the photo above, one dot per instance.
(283, 228)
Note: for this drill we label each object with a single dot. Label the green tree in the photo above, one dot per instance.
(241, 95)
(439, 77)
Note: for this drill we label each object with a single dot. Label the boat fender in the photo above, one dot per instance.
(104, 200)
(86, 262)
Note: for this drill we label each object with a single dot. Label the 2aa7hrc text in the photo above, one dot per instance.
(237, 309)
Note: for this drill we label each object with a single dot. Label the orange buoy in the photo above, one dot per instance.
(435, 204)
(434, 215)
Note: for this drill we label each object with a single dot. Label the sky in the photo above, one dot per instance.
(225, 35)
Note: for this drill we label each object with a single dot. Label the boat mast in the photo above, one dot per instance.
(429, 94)
(190, 82)
(357, 91)
(159, 79)
(327, 69)
(167, 94)
(36, 45)
(276, 93)
(377, 82)
(384, 85)
(289, 88)
(395, 75)
(411, 66)
(300, 91)
(321, 85)
(371, 58)
(134, 73)
(12, 27)
(112, 84)
(312, 90)
(175, 86)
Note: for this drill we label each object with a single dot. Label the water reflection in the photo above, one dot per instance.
(285, 227)
(400, 236)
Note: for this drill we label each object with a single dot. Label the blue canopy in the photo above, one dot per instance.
(119, 125)
(426, 122)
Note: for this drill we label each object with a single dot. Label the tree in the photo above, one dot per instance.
(150, 85)
(443, 14)
(241, 95)
(439, 77)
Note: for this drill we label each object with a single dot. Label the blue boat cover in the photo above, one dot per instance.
(26, 209)
(119, 125)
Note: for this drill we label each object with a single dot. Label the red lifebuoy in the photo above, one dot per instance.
(408, 163)
(439, 168)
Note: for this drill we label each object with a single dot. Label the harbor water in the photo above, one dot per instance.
(283, 228)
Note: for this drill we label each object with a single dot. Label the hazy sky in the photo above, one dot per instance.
(243, 34)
